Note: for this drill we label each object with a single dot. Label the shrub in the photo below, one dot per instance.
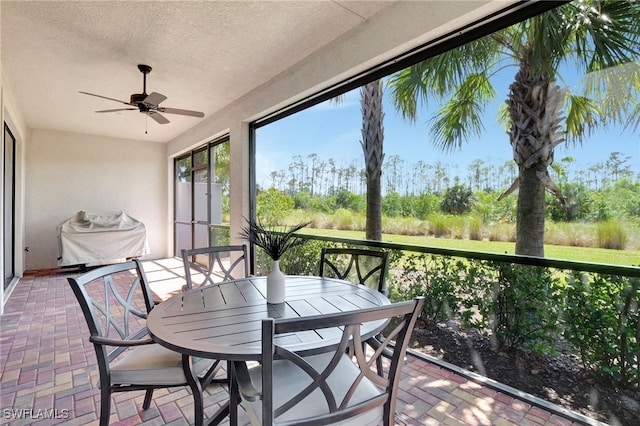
(302, 260)
(303, 200)
(220, 236)
(603, 325)
(392, 204)
(519, 304)
(273, 206)
(348, 200)
(437, 278)
(611, 235)
(526, 306)
(426, 204)
(576, 206)
(325, 204)
(457, 199)
(622, 196)
(600, 208)
(490, 210)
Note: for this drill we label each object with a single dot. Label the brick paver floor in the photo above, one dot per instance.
(49, 374)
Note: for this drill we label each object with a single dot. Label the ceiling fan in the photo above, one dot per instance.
(147, 104)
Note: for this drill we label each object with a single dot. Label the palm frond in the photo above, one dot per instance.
(633, 121)
(599, 37)
(461, 118)
(440, 75)
(605, 32)
(582, 117)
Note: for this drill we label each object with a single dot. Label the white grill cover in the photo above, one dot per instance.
(88, 238)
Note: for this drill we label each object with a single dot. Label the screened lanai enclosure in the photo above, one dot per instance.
(490, 147)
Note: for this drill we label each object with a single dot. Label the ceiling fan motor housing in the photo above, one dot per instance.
(137, 98)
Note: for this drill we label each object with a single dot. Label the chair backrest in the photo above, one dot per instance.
(115, 301)
(211, 265)
(368, 267)
(341, 401)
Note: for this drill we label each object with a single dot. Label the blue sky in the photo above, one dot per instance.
(333, 131)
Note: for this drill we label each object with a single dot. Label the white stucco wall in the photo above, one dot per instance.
(69, 172)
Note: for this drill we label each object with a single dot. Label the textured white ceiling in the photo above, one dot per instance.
(204, 54)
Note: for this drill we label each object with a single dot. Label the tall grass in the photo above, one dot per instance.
(475, 228)
(502, 231)
(438, 226)
(447, 226)
(570, 234)
(611, 235)
(607, 235)
(403, 226)
(345, 219)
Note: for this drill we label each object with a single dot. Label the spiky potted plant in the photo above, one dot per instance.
(274, 241)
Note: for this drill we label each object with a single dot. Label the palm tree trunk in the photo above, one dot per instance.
(534, 104)
(372, 147)
(530, 214)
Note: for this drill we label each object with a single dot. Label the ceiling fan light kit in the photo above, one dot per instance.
(147, 104)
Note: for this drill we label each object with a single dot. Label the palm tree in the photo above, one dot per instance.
(595, 35)
(372, 147)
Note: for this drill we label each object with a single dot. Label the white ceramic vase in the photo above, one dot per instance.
(275, 284)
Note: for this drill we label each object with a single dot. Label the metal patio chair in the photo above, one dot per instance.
(368, 267)
(324, 388)
(115, 301)
(363, 266)
(211, 265)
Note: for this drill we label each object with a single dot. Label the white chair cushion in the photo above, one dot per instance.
(153, 365)
(289, 380)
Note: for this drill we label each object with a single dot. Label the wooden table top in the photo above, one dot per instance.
(224, 321)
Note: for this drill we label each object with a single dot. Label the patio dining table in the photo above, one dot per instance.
(224, 321)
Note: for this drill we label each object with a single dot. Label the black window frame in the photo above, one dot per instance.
(503, 18)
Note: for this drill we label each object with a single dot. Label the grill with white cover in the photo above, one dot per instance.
(97, 239)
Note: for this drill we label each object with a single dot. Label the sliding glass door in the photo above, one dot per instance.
(201, 202)
(8, 200)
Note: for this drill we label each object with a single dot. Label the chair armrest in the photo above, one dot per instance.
(118, 342)
(245, 385)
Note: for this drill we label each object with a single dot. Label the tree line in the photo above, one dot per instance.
(320, 177)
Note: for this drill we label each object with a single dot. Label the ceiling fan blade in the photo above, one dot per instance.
(118, 109)
(154, 99)
(104, 97)
(182, 112)
(159, 118)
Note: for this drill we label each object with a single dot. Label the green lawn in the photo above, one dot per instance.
(582, 254)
